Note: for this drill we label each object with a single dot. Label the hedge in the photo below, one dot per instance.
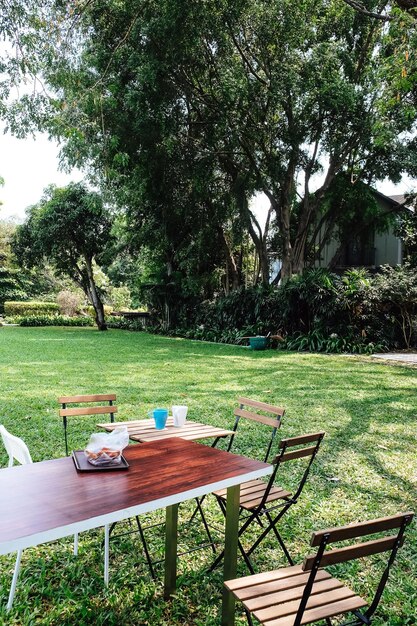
(42, 309)
(90, 310)
(56, 320)
(12, 308)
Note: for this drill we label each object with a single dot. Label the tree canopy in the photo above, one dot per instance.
(183, 111)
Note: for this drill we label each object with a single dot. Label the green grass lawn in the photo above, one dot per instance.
(367, 466)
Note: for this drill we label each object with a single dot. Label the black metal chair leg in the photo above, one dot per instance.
(243, 552)
(216, 562)
(280, 541)
(198, 501)
(283, 546)
(272, 526)
(246, 558)
(249, 618)
(203, 517)
(145, 548)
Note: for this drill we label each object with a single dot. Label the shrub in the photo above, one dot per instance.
(120, 298)
(394, 295)
(314, 341)
(89, 310)
(69, 302)
(30, 308)
(124, 323)
(56, 320)
(12, 285)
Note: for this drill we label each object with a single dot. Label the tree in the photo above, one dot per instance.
(405, 5)
(12, 283)
(184, 110)
(180, 106)
(395, 289)
(71, 228)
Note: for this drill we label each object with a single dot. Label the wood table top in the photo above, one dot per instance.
(48, 500)
(144, 430)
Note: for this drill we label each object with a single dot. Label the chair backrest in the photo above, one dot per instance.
(322, 558)
(353, 531)
(260, 412)
(15, 448)
(292, 449)
(87, 409)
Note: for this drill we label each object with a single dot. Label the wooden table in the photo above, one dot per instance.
(144, 430)
(49, 500)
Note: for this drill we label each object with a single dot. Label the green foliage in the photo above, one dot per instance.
(13, 284)
(309, 299)
(394, 292)
(48, 309)
(53, 320)
(317, 311)
(124, 323)
(233, 98)
(71, 228)
(407, 230)
(119, 297)
(6, 232)
(315, 341)
(90, 310)
(349, 211)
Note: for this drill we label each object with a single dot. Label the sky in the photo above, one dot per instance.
(29, 165)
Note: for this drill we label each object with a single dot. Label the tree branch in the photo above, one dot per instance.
(358, 6)
(245, 58)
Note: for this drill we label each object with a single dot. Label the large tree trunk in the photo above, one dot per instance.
(259, 241)
(233, 278)
(303, 245)
(94, 297)
(284, 216)
(248, 219)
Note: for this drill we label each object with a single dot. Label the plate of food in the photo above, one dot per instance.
(83, 464)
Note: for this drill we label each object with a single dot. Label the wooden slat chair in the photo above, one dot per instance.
(79, 411)
(307, 593)
(254, 411)
(72, 411)
(261, 413)
(110, 409)
(259, 498)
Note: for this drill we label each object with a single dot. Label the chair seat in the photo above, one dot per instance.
(252, 492)
(274, 597)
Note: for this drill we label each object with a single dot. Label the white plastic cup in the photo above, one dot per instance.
(179, 413)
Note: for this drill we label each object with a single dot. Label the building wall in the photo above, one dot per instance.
(388, 247)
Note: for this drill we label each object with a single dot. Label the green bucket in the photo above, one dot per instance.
(258, 343)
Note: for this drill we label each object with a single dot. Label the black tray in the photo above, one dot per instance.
(82, 465)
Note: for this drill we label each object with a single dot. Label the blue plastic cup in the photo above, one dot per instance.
(160, 416)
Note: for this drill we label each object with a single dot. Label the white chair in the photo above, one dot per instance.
(15, 448)
(18, 450)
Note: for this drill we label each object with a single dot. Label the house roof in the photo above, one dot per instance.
(400, 199)
(395, 200)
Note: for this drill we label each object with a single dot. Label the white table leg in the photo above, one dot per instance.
(106, 554)
(14, 580)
